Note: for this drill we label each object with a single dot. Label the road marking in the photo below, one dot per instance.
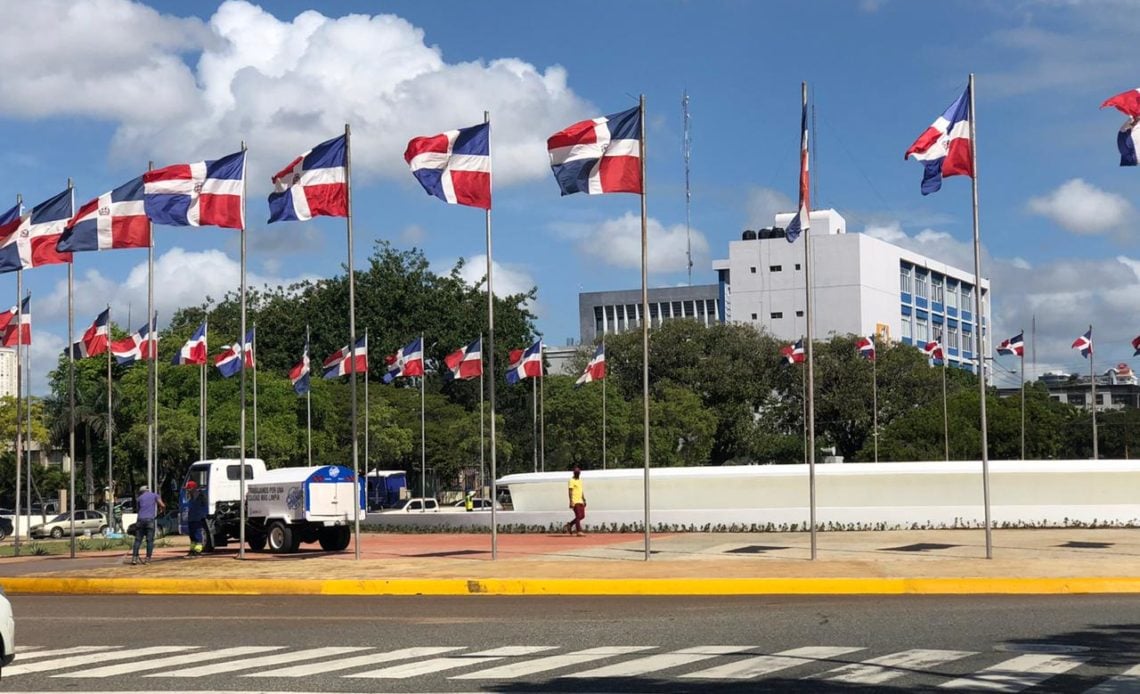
(766, 664)
(90, 658)
(888, 667)
(355, 661)
(1127, 682)
(175, 660)
(550, 662)
(1016, 674)
(661, 661)
(61, 651)
(288, 656)
(425, 667)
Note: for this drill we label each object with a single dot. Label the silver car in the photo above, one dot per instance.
(85, 521)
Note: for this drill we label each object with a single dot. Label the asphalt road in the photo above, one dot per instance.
(501, 644)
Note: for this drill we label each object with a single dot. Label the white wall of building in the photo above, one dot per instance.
(7, 372)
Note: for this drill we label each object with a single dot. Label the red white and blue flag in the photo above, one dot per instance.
(1084, 344)
(230, 362)
(1136, 346)
(407, 361)
(17, 324)
(454, 166)
(1014, 346)
(94, 340)
(933, 350)
(944, 148)
(1128, 136)
(195, 350)
(299, 374)
(345, 361)
(600, 155)
(31, 243)
(466, 362)
(595, 369)
(801, 222)
(525, 363)
(205, 193)
(135, 347)
(314, 184)
(866, 347)
(793, 353)
(116, 219)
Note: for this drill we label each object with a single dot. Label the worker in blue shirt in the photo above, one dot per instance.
(196, 512)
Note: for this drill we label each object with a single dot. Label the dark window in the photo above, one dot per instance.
(753, 269)
(799, 314)
(233, 472)
(797, 266)
(777, 314)
(753, 316)
(775, 268)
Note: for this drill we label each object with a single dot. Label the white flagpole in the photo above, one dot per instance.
(644, 321)
(1023, 395)
(945, 409)
(809, 381)
(534, 420)
(28, 428)
(110, 432)
(423, 437)
(482, 421)
(605, 377)
(152, 364)
(203, 392)
(1092, 381)
(367, 460)
(70, 381)
(491, 370)
(352, 330)
(241, 328)
(875, 400)
(309, 400)
(19, 413)
(542, 407)
(253, 348)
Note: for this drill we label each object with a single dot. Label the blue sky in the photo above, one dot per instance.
(95, 90)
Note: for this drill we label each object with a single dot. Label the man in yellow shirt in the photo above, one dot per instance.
(577, 502)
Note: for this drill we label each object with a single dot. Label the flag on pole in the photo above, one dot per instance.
(195, 350)
(135, 347)
(934, 351)
(32, 242)
(299, 374)
(866, 347)
(1084, 344)
(793, 353)
(525, 363)
(19, 333)
(230, 362)
(94, 340)
(595, 369)
(116, 219)
(1127, 137)
(944, 148)
(454, 166)
(314, 184)
(600, 155)
(1014, 346)
(407, 361)
(801, 222)
(1136, 346)
(205, 193)
(345, 361)
(466, 362)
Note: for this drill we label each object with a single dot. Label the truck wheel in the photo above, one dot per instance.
(280, 538)
(256, 541)
(334, 539)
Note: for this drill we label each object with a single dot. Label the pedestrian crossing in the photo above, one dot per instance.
(988, 670)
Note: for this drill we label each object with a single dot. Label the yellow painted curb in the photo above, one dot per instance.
(570, 586)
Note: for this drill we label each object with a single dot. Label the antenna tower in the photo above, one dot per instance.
(687, 151)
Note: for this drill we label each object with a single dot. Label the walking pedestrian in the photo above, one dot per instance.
(577, 502)
(149, 504)
(197, 509)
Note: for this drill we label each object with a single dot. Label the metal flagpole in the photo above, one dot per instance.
(534, 420)
(491, 370)
(978, 326)
(241, 386)
(542, 407)
(252, 348)
(152, 363)
(352, 329)
(203, 391)
(604, 379)
(1092, 381)
(644, 321)
(686, 148)
(875, 401)
(367, 460)
(423, 439)
(945, 411)
(19, 414)
(809, 381)
(110, 432)
(70, 382)
(482, 420)
(309, 401)
(153, 332)
(1023, 397)
(28, 428)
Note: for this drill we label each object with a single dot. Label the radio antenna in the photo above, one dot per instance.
(687, 151)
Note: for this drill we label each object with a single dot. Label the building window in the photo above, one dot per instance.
(799, 314)
(953, 335)
(777, 314)
(1077, 399)
(753, 316)
(951, 295)
(907, 327)
(753, 269)
(797, 266)
(904, 279)
(920, 284)
(967, 296)
(923, 333)
(936, 289)
(775, 268)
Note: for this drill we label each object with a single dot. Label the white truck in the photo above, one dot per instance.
(284, 507)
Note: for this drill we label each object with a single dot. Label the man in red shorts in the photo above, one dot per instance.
(577, 502)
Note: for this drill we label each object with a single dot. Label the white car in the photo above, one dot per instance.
(7, 631)
(416, 505)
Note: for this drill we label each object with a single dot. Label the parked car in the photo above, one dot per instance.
(416, 505)
(479, 503)
(57, 527)
(46, 508)
(7, 631)
(5, 527)
(165, 524)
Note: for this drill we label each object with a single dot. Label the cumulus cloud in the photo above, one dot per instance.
(763, 204)
(1083, 208)
(617, 242)
(509, 279)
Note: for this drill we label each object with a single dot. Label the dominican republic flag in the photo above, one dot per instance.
(230, 361)
(466, 362)
(345, 361)
(113, 220)
(1013, 346)
(314, 184)
(600, 155)
(17, 325)
(793, 353)
(94, 340)
(866, 347)
(1136, 346)
(454, 166)
(596, 369)
(407, 361)
(136, 347)
(205, 193)
(32, 242)
(801, 222)
(1127, 103)
(299, 374)
(525, 363)
(944, 148)
(1084, 344)
(933, 350)
(195, 350)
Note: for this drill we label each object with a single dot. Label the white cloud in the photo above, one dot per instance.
(508, 279)
(617, 242)
(1083, 208)
(413, 235)
(763, 204)
(45, 350)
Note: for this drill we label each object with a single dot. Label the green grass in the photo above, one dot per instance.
(62, 547)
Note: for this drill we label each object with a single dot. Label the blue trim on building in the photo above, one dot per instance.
(906, 310)
(919, 301)
(905, 297)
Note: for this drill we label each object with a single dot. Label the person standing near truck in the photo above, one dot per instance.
(577, 502)
(149, 505)
(196, 511)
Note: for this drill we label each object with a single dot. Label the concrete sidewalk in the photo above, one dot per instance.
(889, 562)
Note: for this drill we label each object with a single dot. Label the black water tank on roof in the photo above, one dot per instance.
(748, 235)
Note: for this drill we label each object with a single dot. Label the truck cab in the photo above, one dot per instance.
(220, 480)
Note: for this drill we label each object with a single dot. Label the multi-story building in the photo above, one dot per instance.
(7, 372)
(860, 285)
(1116, 388)
(613, 312)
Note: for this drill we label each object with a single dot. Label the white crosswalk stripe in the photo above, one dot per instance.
(88, 659)
(1016, 674)
(158, 663)
(548, 663)
(260, 661)
(661, 661)
(22, 657)
(1127, 682)
(355, 661)
(749, 668)
(434, 665)
(893, 666)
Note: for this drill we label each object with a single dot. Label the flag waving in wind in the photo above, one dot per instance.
(454, 166)
(595, 369)
(933, 350)
(236, 357)
(1014, 346)
(801, 222)
(793, 353)
(205, 193)
(32, 243)
(525, 363)
(407, 361)
(113, 220)
(299, 374)
(195, 350)
(94, 340)
(944, 148)
(135, 347)
(1136, 346)
(314, 184)
(600, 155)
(345, 361)
(19, 332)
(1127, 103)
(466, 362)
(1084, 344)
(866, 347)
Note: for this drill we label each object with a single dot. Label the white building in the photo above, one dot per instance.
(861, 285)
(7, 372)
